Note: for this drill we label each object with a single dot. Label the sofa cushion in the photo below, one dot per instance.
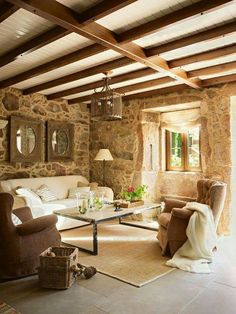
(45, 193)
(31, 196)
(74, 191)
(58, 185)
(164, 219)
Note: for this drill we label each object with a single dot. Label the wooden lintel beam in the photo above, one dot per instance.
(193, 39)
(204, 56)
(129, 88)
(6, 10)
(187, 12)
(55, 64)
(102, 9)
(34, 44)
(115, 79)
(81, 74)
(67, 18)
(220, 68)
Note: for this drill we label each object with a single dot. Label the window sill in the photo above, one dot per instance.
(181, 172)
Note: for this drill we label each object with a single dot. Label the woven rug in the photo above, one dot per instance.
(7, 309)
(129, 254)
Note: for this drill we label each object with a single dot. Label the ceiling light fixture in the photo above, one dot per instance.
(107, 104)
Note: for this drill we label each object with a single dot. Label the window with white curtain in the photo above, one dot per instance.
(182, 137)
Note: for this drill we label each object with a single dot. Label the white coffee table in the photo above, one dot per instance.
(105, 214)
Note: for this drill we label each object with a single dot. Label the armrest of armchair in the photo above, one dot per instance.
(108, 192)
(24, 213)
(181, 213)
(36, 225)
(173, 203)
(176, 230)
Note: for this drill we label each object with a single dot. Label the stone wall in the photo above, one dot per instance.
(126, 141)
(36, 106)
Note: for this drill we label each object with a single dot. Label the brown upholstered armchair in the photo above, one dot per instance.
(21, 245)
(174, 219)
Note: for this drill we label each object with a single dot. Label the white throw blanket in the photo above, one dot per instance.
(197, 252)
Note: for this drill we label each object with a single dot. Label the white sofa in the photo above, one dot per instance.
(59, 186)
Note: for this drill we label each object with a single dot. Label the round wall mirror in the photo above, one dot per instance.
(60, 142)
(25, 140)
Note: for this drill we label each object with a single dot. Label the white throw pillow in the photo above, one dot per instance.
(16, 221)
(73, 191)
(30, 195)
(45, 193)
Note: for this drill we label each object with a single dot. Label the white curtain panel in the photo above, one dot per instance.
(180, 121)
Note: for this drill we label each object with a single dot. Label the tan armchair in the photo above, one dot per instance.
(174, 219)
(21, 245)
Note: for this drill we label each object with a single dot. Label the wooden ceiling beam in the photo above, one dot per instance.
(127, 89)
(220, 68)
(219, 80)
(115, 79)
(67, 18)
(111, 65)
(96, 48)
(156, 92)
(178, 88)
(144, 72)
(187, 12)
(213, 33)
(55, 64)
(204, 56)
(160, 91)
(102, 9)
(98, 11)
(34, 44)
(6, 10)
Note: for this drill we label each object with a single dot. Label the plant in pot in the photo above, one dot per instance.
(132, 195)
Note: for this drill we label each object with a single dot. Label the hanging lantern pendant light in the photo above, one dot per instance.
(106, 104)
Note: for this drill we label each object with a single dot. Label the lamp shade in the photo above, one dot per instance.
(103, 154)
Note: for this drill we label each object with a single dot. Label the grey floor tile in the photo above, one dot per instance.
(216, 299)
(101, 284)
(93, 310)
(45, 301)
(227, 276)
(162, 296)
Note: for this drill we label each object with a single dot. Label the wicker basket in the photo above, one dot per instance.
(56, 271)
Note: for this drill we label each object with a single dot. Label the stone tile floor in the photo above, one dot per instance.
(177, 292)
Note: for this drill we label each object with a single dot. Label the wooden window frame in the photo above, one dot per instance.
(184, 154)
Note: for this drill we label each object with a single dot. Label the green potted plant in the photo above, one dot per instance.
(132, 195)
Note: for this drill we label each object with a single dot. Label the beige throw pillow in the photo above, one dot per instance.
(82, 184)
(73, 191)
(45, 193)
(93, 186)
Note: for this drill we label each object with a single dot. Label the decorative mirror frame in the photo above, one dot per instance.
(68, 128)
(37, 153)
